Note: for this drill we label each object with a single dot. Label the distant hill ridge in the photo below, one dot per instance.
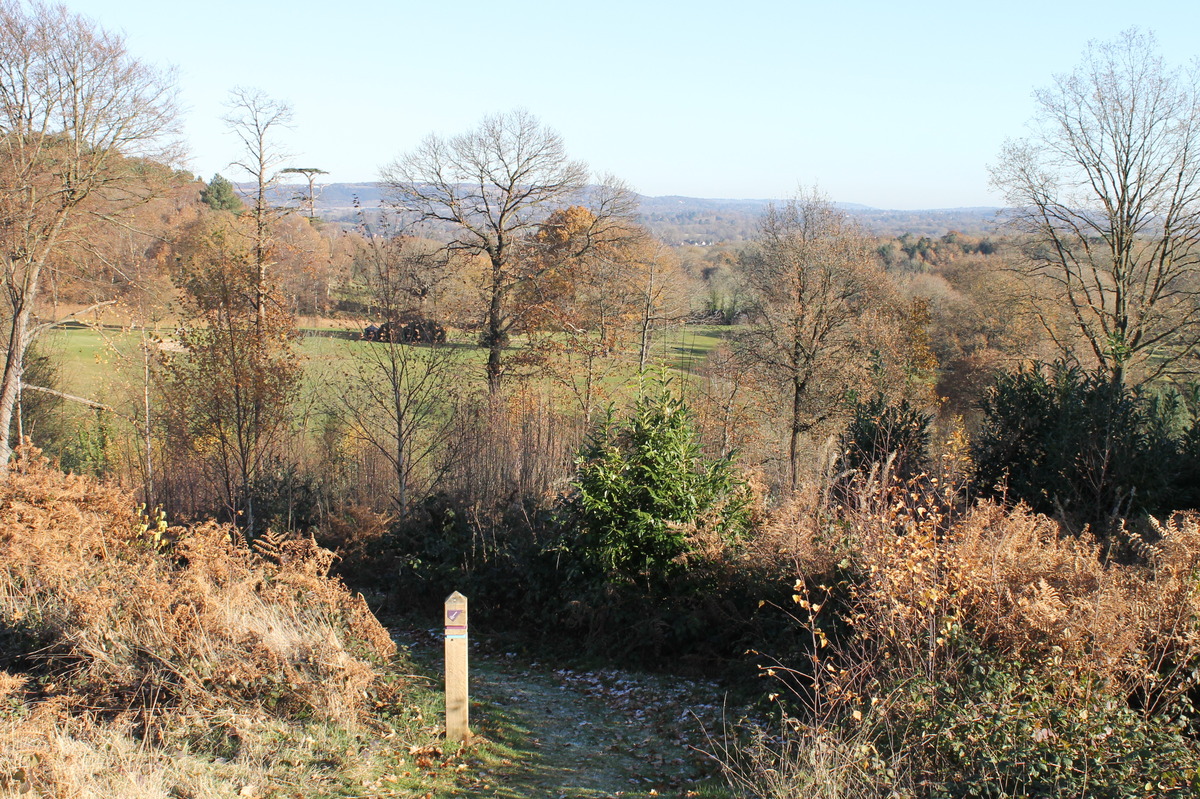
(687, 220)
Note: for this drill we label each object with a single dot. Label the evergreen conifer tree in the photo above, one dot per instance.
(220, 196)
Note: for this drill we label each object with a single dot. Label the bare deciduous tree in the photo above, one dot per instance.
(398, 398)
(493, 187)
(255, 118)
(75, 108)
(404, 277)
(1106, 190)
(812, 279)
(663, 294)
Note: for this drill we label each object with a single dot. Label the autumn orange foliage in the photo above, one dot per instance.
(1011, 580)
(954, 642)
(108, 616)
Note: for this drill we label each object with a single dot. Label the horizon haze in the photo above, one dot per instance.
(895, 107)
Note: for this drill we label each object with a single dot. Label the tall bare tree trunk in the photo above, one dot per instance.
(797, 430)
(10, 384)
(496, 334)
(147, 440)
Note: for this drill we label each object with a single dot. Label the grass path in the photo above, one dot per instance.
(561, 733)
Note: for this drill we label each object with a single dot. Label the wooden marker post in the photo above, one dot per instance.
(457, 708)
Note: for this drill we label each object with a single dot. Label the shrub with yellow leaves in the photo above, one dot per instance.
(981, 651)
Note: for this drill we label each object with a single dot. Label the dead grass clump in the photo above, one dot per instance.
(10, 685)
(812, 761)
(77, 758)
(102, 616)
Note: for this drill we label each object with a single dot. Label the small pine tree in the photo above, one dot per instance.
(220, 196)
(643, 483)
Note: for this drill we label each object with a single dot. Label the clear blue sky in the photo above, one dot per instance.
(894, 105)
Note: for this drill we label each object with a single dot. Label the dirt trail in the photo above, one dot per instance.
(589, 734)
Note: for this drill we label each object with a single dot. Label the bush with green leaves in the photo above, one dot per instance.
(991, 729)
(999, 728)
(1076, 445)
(644, 486)
(880, 430)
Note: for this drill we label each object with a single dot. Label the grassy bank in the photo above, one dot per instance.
(139, 660)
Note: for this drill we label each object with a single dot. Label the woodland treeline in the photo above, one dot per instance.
(555, 309)
(931, 322)
(928, 321)
(529, 310)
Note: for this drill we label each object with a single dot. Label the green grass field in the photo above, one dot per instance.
(85, 358)
(102, 365)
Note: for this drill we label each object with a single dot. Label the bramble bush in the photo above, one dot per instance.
(1000, 728)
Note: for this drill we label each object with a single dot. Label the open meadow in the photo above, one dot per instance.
(105, 363)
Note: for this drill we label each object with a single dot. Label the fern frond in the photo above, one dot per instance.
(269, 546)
